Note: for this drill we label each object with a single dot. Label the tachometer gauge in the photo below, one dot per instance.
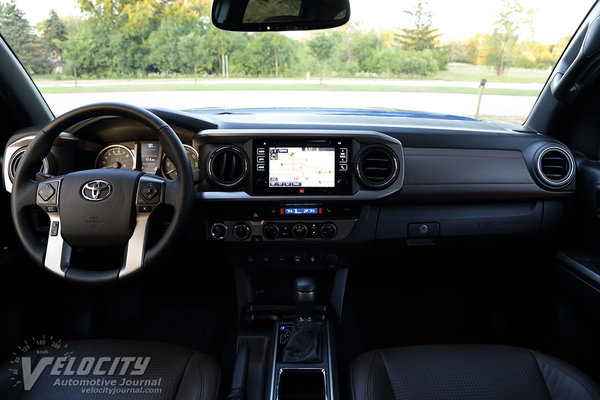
(116, 156)
(168, 168)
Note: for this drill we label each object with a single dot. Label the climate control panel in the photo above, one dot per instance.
(272, 231)
(300, 230)
(282, 222)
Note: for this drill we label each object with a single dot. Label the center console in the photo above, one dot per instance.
(293, 185)
(294, 359)
(298, 166)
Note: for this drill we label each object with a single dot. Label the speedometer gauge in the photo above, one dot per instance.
(168, 168)
(116, 156)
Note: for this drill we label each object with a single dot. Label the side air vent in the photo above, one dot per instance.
(227, 166)
(13, 164)
(377, 167)
(555, 167)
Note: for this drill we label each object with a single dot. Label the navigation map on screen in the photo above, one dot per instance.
(302, 167)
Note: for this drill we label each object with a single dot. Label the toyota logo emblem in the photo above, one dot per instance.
(96, 190)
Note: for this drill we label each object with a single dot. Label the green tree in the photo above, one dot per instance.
(422, 36)
(278, 41)
(18, 33)
(164, 46)
(268, 54)
(219, 43)
(322, 47)
(192, 52)
(52, 29)
(502, 43)
(76, 50)
(367, 49)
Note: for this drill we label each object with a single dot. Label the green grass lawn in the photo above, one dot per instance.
(283, 87)
(455, 72)
(467, 72)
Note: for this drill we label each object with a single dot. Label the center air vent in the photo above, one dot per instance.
(377, 167)
(227, 166)
(555, 167)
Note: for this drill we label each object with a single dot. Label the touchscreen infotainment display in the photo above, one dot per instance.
(302, 167)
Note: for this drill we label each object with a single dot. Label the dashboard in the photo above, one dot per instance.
(146, 156)
(278, 178)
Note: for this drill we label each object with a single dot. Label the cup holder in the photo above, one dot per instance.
(301, 384)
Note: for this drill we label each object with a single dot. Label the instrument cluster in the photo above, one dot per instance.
(146, 156)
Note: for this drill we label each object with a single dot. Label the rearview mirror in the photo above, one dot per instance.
(279, 15)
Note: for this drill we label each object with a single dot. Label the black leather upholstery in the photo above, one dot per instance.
(465, 372)
(180, 373)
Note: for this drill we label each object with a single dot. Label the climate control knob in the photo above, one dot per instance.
(300, 231)
(328, 231)
(241, 231)
(271, 231)
(218, 231)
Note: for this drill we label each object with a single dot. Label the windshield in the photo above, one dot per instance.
(484, 59)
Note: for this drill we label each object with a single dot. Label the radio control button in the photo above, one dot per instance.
(260, 151)
(260, 167)
(271, 231)
(300, 231)
(328, 231)
(285, 231)
(343, 167)
(218, 231)
(242, 231)
(344, 155)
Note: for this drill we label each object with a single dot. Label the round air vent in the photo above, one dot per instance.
(377, 167)
(16, 159)
(227, 166)
(555, 167)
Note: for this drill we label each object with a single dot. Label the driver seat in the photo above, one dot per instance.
(154, 371)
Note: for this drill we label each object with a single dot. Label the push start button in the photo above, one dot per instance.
(424, 230)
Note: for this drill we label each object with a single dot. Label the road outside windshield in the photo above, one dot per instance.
(486, 59)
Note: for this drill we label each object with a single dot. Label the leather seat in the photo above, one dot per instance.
(466, 372)
(170, 372)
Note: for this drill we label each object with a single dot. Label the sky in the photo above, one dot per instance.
(455, 19)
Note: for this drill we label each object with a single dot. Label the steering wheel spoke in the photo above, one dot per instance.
(58, 252)
(150, 195)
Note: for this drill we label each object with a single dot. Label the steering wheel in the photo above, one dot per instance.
(99, 208)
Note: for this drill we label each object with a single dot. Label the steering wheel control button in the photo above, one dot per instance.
(271, 231)
(46, 192)
(145, 209)
(218, 231)
(54, 228)
(424, 230)
(149, 191)
(328, 231)
(242, 231)
(300, 231)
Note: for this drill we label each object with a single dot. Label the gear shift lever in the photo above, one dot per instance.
(305, 298)
(304, 342)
